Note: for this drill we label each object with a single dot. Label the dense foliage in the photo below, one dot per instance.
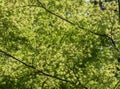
(59, 44)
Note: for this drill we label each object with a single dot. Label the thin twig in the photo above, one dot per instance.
(113, 43)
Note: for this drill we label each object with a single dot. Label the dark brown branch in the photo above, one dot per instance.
(41, 5)
(42, 87)
(62, 18)
(37, 71)
(9, 55)
(113, 43)
(45, 74)
(72, 23)
(119, 9)
(98, 34)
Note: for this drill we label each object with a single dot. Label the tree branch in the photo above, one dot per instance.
(62, 18)
(9, 55)
(113, 43)
(72, 23)
(37, 71)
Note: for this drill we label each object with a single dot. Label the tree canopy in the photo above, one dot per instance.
(59, 44)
